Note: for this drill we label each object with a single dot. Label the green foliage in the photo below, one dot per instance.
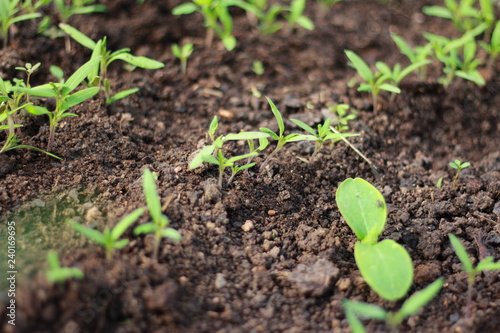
(342, 116)
(459, 166)
(486, 264)
(98, 76)
(11, 102)
(322, 135)
(385, 266)
(110, 238)
(397, 74)
(493, 47)
(214, 153)
(160, 223)
(217, 18)
(61, 92)
(10, 13)
(374, 81)
(458, 56)
(279, 136)
(258, 67)
(66, 9)
(266, 15)
(55, 273)
(416, 55)
(295, 16)
(355, 310)
(463, 13)
(183, 53)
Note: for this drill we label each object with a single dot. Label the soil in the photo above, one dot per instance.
(269, 252)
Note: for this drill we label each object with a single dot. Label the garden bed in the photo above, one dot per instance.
(228, 274)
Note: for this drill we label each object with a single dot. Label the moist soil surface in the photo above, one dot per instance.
(269, 252)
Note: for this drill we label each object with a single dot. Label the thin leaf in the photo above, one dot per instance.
(419, 299)
(139, 61)
(78, 36)
(126, 222)
(81, 73)
(461, 253)
(151, 195)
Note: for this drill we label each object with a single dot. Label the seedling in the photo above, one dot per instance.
(267, 16)
(258, 67)
(183, 53)
(355, 310)
(99, 74)
(419, 54)
(341, 116)
(320, 136)
(9, 15)
(386, 266)
(459, 166)
(217, 19)
(296, 16)
(57, 72)
(214, 154)
(486, 264)
(397, 74)
(55, 273)
(280, 136)
(463, 14)
(110, 238)
(458, 56)
(160, 223)
(10, 104)
(493, 47)
(375, 81)
(61, 92)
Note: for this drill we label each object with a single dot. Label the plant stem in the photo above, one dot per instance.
(470, 282)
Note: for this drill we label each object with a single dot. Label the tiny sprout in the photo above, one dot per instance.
(280, 136)
(258, 67)
(486, 264)
(459, 166)
(55, 273)
(183, 53)
(160, 223)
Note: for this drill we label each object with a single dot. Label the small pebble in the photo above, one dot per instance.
(271, 212)
(248, 226)
(220, 281)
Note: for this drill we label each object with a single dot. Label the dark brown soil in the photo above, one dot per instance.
(290, 271)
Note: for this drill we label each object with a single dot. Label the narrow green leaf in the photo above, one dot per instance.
(122, 94)
(139, 61)
(78, 36)
(419, 299)
(365, 310)
(151, 195)
(360, 66)
(81, 73)
(126, 222)
(246, 136)
(171, 233)
(304, 126)
(81, 96)
(461, 253)
(145, 228)
(198, 159)
(91, 234)
(277, 115)
(185, 8)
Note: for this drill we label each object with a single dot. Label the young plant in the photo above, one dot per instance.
(11, 102)
(341, 116)
(280, 136)
(463, 14)
(458, 56)
(486, 264)
(386, 266)
(217, 18)
(99, 74)
(61, 92)
(397, 74)
(265, 17)
(160, 223)
(459, 166)
(320, 136)
(9, 15)
(355, 310)
(375, 81)
(183, 53)
(55, 273)
(295, 16)
(110, 238)
(258, 67)
(493, 47)
(416, 55)
(214, 153)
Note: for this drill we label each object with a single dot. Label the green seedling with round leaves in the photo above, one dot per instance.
(486, 264)
(459, 166)
(359, 310)
(110, 238)
(159, 225)
(55, 273)
(386, 266)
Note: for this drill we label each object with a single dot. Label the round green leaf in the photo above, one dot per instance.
(386, 267)
(363, 208)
